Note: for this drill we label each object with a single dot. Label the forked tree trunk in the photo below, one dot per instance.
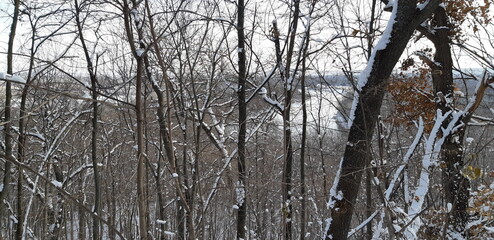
(372, 82)
(138, 55)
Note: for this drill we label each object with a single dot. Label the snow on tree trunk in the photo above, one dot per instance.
(406, 16)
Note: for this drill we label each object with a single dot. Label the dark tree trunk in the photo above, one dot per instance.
(81, 232)
(302, 156)
(456, 186)
(94, 121)
(8, 125)
(242, 121)
(287, 209)
(164, 119)
(143, 211)
(56, 213)
(303, 197)
(368, 179)
(367, 109)
(141, 172)
(112, 210)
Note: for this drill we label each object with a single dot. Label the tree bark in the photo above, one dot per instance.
(81, 231)
(456, 186)
(184, 209)
(139, 110)
(287, 209)
(367, 109)
(368, 172)
(141, 173)
(303, 197)
(242, 122)
(94, 122)
(8, 124)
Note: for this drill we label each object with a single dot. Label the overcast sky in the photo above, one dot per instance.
(6, 8)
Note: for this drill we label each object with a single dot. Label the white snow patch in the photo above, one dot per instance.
(160, 221)
(289, 82)
(86, 95)
(389, 4)
(433, 147)
(265, 97)
(12, 78)
(171, 234)
(139, 52)
(240, 193)
(459, 93)
(56, 183)
(422, 5)
(328, 224)
(333, 195)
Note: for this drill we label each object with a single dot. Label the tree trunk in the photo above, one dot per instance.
(81, 231)
(56, 213)
(372, 84)
(456, 186)
(368, 176)
(141, 173)
(287, 209)
(94, 130)
(139, 109)
(8, 125)
(112, 210)
(139, 55)
(94, 159)
(164, 119)
(242, 122)
(303, 140)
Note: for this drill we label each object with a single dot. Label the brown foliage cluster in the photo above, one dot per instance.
(481, 212)
(433, 228)
(459, 12)
(412, 98)
(482, 209)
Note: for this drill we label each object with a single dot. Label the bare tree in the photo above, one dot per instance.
(303, 140)
(132, 14)
(7, 131)
(242, 123)
(94, 132)
(148, 120)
